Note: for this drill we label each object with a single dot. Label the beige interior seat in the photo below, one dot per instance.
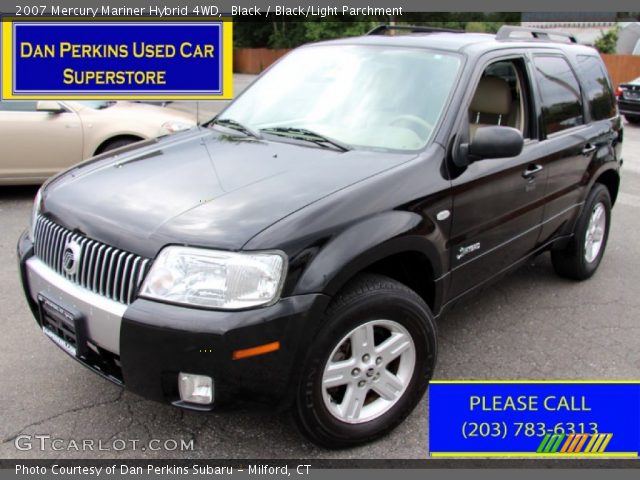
(491, 104)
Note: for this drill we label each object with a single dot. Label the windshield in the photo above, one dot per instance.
(362, 96)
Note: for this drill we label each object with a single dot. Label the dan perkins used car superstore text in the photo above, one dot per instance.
(158, 470)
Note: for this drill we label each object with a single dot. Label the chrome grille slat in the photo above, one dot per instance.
(92, 258)
(60, 240)
(125, 277)
(46, 250)
(49, 246)
(103, 271)
(85, 262)
(113, 286)
(56, 245)
(67, 237)
(81, 241)
(37, 231)
(108, 271)
(63, 238)
(96, 276)
(40, 234)
(132, 283)
(142, 271)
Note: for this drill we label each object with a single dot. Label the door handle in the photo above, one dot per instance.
(531, 171)
(588, 150)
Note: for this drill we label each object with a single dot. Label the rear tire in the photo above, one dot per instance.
(369, 365)
(582, 256)
(635, 119)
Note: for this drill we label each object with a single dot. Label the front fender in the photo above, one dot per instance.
(367, 242)
(392, 212)
(93, 144)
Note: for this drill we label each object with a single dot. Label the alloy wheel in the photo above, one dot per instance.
(368, 371)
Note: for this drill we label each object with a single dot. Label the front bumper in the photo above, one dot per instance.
(146, 344)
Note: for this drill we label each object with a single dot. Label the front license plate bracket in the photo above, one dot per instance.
(64, 326)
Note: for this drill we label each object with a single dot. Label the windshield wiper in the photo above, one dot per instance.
(308, 135)
(235, 125)
(107, 104)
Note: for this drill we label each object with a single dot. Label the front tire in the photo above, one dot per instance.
(635, 119)
(581, 258)
(369, 365)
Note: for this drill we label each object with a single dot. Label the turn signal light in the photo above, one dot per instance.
(259, 350)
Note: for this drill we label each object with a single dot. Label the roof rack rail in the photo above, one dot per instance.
(383, 29)
(506, 30)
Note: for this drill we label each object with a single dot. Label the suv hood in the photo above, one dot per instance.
(200, 188)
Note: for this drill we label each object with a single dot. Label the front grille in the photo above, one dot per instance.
(105, 270)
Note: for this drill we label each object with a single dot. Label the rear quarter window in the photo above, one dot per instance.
(598, 89)
(560, 92)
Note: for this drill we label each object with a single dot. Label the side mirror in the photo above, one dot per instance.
(491, 142)
(50, 106)
(496, 142)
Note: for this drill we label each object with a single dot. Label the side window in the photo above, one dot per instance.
(18, 106)
(501, 98)
(602, 104)
(560, 92)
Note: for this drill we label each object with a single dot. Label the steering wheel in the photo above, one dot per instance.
(417, 124)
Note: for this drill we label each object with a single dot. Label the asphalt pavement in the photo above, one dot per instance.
(530, 325)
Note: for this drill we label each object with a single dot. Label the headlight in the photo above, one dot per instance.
(34, 214)
(216, 279)
(172, 127)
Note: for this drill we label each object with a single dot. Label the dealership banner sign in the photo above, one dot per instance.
(534, 419)
(167, 60)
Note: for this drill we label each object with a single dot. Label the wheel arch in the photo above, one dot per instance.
(412, 268)
(610, 178)
(113, 138)
(392, 244)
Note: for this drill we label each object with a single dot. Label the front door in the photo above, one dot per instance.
(497, 203)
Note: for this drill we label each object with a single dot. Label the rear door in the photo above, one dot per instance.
(571, 134)
(498, 203)
(35, 145)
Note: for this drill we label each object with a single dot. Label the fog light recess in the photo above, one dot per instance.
(195, 388)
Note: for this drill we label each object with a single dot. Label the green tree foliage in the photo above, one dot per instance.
(289, 32)
(326, 30)
(607, 41)
(480, 27)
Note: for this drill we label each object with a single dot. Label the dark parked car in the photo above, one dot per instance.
(629, 100)
(300, 248)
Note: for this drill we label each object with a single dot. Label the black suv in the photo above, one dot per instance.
(299, 248)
